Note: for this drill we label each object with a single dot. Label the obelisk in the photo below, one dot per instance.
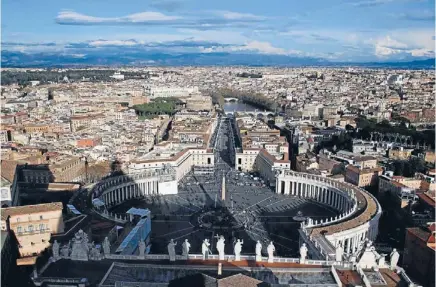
(223, 189)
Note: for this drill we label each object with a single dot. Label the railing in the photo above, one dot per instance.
(40, 281)
(363, 277)
(405, 277)
(336, 276)
(226, 258)
(120, 218)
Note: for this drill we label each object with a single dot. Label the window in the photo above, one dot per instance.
(18, 219)
(30, 228)
(19, 229)
(40, 217)
(41, 227)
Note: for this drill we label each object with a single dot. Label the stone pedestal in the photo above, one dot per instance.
(172, 257)
(237, 257)
(270, 259)
(258, 258)
(221, 256)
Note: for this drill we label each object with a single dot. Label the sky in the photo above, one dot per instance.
(337, 30)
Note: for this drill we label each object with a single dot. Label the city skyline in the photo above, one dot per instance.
(336, 31)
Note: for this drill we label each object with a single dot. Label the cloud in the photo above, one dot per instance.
(74, 18)
(101, 43)
(167, 5)
(240, 16)
(415, 44)
(373, 3)
(424, 15)
(253, 47)
(370, 3)
(313, 36)
(206, 20)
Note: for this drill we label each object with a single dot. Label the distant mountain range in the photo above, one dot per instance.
(18, 59)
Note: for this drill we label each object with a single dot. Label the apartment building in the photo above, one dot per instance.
(419, 253)
(362, 177)
(179, 158)
(55, 167)
(85, 121)
(33, 225)
(166, 92)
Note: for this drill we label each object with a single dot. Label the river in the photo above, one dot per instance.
(239, 107)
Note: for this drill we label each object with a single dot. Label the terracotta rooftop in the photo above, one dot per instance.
(427, 199)
(392, 279)
(423, 234)
(350, 277)
(238, 280)
(8, 169)
(29, 209)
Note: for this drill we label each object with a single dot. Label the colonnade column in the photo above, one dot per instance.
(287, 187)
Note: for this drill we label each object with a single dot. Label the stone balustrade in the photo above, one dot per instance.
(226, 258)
(120, 218)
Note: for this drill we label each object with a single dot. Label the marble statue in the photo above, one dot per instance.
(258, 251)
(80, 247)
(220, 247)
(55, 249)
(172, 250)
(381, 260)
(65, 251)
(106, 246)
(141, 248)
(205, 248)
(303, 253)
(271, 249)
(339, 253)
(238, 249)
(185, 248)
(94, 253)
(394, 256)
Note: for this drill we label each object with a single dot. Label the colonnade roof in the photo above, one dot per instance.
(365, 202)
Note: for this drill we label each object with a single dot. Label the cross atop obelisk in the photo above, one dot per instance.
(223, 189)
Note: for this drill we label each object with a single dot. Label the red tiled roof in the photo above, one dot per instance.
(8, 169)
(419, 233)
(427, 199)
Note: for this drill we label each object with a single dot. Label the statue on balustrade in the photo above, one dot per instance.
(55, 249)
(106, 246)
(303, 253)
(394, 256)
(65, 251)
(258, 251)
(238, 249)
(185, 248)
(339, 252)
(80, 248)
(142, 248)
(220, 247)
(172, 250)
(205, 248)
(271, 249)
(95, 252)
